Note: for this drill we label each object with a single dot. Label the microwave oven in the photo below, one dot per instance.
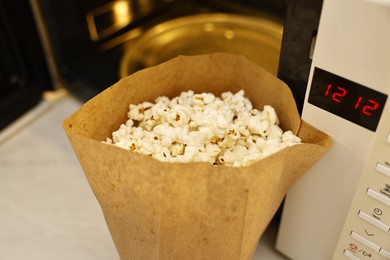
(339, 47)
(340, 208)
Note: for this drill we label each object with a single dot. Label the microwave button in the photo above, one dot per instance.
(384, 253)
(373, 221)
(365, 241)
(379, 197)
(383, 169)
(351, 256)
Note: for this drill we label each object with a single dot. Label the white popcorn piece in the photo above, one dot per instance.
(222, 121)
(204, 157)
(190, 151)
(145, 147)
(258, 126)
(198, 99)
(160, 110)
(108, 141)
(194, 139)
(179, 115)
(274, 131)
(176, 149)
(224, 130)
(244, 131)
(208, 98)
(166, 141)
(234, 156)
(233, 132)
(137, 132)
(130, 123)
(227, 158)
(289, 138)
(162, 154)
(251, 158)
(269, 113)
(187, 96)
(163, 100)
(136, 112)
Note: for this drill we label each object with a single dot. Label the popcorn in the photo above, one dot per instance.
(191, 127)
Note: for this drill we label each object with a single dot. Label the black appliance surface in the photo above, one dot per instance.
(91, 57)
(300, 30)
(24, 74)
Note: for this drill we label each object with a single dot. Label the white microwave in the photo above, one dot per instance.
(340, 209)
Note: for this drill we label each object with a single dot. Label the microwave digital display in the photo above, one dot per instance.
(347, 99)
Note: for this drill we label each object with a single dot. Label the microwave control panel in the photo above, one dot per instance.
(366, 232)
(345, 196)
(340, 207)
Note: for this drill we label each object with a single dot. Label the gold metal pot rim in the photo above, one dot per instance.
(257, 38)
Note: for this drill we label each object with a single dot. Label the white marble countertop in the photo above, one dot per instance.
(47, 209)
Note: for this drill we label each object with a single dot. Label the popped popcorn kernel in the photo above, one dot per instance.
(201, 127)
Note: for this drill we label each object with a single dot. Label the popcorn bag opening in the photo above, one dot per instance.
(194, 210)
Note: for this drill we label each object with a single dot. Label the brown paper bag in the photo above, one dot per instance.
(158, 210)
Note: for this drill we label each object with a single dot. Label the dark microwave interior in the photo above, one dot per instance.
(87, 38)
(24, 74)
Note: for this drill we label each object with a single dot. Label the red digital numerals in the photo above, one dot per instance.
(338, 93)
